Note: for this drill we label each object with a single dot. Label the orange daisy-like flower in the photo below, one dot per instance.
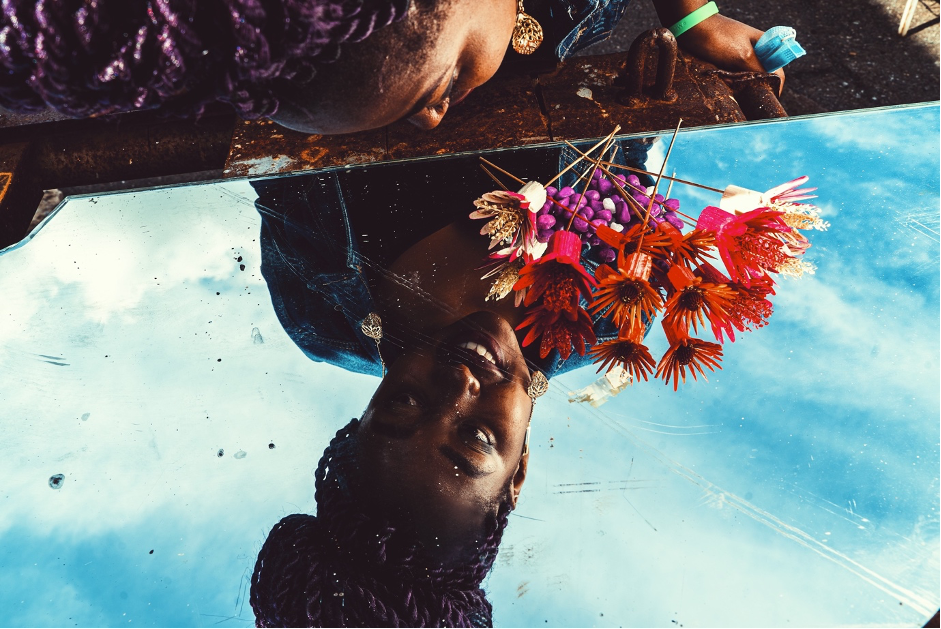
(559, 330)
(557, 278)
(628, 352)
(748, 243)
(626, 296)
(690, 249)
(686, 353)
(695, 301)
(655, 242)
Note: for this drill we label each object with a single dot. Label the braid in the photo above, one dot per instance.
(94, 57)
(345, 568)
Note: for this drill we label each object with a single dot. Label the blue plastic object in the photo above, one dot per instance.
(778, 47)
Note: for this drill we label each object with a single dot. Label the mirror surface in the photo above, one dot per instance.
(158, 419)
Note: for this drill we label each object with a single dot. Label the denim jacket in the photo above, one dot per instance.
(312, 264)
(590, 22)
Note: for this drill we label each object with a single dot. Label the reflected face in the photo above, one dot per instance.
(416, 69)
(442, 438)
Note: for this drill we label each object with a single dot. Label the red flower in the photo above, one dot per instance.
(627, 351)
(686, 352)
(750, 308)
(696, 300)
(655, 243)
(559, 330)
(558, 277)
(626, 294)
(748, 243)
(690, 249)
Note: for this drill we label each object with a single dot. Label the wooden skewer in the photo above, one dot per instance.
(566, 169)
(508, 174)
(653, 194)
(647, 172)
(610, 141)
(494, 177)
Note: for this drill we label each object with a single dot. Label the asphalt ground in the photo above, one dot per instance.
(855, 56)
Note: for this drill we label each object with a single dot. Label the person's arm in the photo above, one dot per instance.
(727, 43)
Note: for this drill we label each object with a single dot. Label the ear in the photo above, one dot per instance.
(516, 485)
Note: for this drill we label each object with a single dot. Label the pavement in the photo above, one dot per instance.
(855, 56)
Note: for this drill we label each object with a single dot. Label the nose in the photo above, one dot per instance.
(430, 117)
(458, 380)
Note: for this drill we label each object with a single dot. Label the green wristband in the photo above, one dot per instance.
(705, 11)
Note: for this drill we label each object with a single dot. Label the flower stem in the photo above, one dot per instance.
(647, 172)
(608, 142)
(584, 155)
(653, 194)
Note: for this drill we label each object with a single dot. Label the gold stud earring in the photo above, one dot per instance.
(538, 385)
(372, 327)
(527, 35)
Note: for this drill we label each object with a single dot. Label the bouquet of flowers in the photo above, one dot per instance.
(655, 262)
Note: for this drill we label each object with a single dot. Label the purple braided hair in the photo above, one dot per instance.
(95, 57)
(347, 568)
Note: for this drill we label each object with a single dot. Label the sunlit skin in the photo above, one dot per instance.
(382, 80)
(419, 68)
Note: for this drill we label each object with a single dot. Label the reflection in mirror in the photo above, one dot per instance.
(185, 362)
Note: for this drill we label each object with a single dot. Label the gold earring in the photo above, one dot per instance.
(538, 385)
(527, 35)
(526, 440)
(372, 327)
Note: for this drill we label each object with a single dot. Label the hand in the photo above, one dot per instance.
(726, 43)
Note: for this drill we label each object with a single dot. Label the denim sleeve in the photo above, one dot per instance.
(308, 262)
(594, 22)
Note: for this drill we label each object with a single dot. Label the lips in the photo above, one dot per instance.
(477, 350)
(458, 98)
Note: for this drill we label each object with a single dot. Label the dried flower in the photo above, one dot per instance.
(507, 212)
(508, 273)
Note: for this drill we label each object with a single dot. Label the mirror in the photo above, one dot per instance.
(162, 411)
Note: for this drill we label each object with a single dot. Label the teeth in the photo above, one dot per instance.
(480, 349)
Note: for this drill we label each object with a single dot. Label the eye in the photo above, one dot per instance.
(482, 436)
(478, 438)
(404, 398)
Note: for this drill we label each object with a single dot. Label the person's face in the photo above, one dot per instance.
(442, 437)
(414, 69)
